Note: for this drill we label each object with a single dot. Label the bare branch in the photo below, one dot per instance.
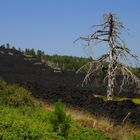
(98, 25)
(110, 33)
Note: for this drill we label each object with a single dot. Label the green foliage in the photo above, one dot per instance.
(39, 53)
(21, 116)
(135, 100)
(14, 125)
(60, 121)
(67, 62)
(30, 52)
(71, 63)
(2, 84)
(134, 138)
(84, 133)
(136, 71)
(14, 95)
(24, 118)
(64, 126)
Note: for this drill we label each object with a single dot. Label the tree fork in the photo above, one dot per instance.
(118, 52)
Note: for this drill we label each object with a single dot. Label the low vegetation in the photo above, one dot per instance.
(23, 117)
(102, 123)
(135, 100)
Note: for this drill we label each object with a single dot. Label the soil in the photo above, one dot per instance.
(50, 86)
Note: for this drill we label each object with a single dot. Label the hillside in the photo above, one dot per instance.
(23, 117)
(50, 86)
(15, 67)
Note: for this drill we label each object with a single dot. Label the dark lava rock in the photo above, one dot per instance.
(48, 85)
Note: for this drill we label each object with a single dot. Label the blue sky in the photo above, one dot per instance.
(53, 25)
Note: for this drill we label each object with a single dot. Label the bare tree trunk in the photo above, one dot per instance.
(111, 77)
(111, 67)
(110, 85)
(109, 32)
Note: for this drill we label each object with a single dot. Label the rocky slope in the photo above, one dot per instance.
(48, 85)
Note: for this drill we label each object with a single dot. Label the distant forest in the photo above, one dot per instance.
(69, 63)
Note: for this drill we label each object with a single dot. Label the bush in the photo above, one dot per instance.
(134, 138)
(2, 84)
(60, 121)
(79, 132)
(14, 95)
(14, 125)
(19, 96)
(23, 118)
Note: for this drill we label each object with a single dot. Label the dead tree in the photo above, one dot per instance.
(109, 32)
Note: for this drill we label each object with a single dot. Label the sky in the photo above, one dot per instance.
(53, 25)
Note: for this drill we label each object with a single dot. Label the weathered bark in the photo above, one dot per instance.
(110, 33)
(111, 67)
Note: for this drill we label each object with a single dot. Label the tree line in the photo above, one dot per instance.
(71, 63)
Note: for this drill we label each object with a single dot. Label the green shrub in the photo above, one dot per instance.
(14, 95)
(60, 121)
(23, 118)
(19, 96)
(14, 125)
(79, 132)
(2, 84)
(134, 138)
